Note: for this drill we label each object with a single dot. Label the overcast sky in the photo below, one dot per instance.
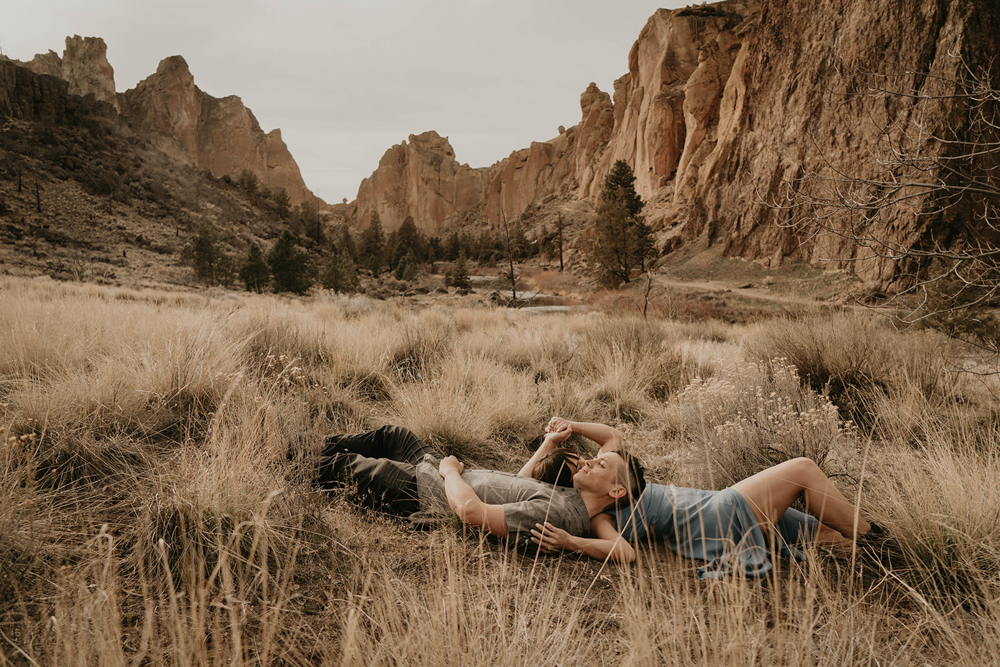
(345, 80)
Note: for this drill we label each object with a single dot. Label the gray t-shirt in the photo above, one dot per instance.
(525, 501)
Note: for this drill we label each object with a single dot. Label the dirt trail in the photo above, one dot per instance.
(753, 292)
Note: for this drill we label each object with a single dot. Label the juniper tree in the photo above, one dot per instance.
(255, 273)
(291, 268)
(339, 273)
(372, 248)
(622, 241)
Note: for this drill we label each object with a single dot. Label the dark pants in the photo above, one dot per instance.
(379, 464)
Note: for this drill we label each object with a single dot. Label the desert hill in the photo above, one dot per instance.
(728, 113)
(84, 195)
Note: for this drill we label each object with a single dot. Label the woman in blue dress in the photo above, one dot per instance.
(731, 530)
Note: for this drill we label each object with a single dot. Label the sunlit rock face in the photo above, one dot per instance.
(220, 135)
(84, 65)
(420, 178)
(724, 109)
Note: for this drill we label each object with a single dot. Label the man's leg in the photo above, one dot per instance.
(379, 484)
(379, 464)
(388, 442)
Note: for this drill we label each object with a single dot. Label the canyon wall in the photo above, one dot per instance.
(84, 65)
(27, 95)
(730, 108)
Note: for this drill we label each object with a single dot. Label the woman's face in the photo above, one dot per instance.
(573, 463)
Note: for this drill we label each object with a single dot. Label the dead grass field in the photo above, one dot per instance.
(142, 522)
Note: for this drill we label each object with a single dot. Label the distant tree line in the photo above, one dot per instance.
(620, 246)
(340, 254)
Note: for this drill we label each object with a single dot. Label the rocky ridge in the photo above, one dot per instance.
(219, 135)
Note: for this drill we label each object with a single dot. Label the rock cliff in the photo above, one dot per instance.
(725, 108)
(220, 135)
(27, 95)
(84, 65)
(420, 178)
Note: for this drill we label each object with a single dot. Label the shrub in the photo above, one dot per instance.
(751, 417)
(852, 359)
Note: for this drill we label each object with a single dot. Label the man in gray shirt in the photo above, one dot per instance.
(394, 471)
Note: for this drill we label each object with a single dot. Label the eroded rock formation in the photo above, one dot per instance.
(726, 107)
(420, 178)
(218, 134)
(84, 65)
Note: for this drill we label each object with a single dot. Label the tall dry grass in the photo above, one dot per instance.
(143, 521)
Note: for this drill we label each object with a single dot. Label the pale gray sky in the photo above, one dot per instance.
(345, 80)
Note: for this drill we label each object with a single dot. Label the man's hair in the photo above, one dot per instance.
(632, 475)
(554, 467)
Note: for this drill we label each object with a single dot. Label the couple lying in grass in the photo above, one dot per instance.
(600, 506)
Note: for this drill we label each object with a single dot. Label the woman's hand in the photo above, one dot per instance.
(450, 464)
(557, 435)
(559, 425)
(549, 538)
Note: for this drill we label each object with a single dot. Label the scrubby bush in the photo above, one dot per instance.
(854, 359)
(750, 417)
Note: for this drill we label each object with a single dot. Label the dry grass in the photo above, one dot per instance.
(143, 522)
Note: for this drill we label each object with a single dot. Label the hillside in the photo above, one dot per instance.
(85, 196)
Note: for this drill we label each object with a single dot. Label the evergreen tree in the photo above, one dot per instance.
(345, 242)
(255, 273)
(282, 202)
(250, 184)
(372, 248)
(204, 253)
(406, 269)
(434, 249)
(291, 268)
(622, 240)
(453, 247)
(412, 238)
(339, 273)
(458, 277)
(311, 223)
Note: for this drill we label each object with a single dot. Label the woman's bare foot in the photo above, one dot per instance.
(275, 445)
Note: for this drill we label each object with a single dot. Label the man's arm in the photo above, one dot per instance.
(466, 504)
(551, 440)
(608, 545)
(608, 438)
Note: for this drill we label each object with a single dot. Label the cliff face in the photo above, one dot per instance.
(420, 178)
(26, 95)
(795, 106)
(727, 106)
(220, 135)
(84, 65)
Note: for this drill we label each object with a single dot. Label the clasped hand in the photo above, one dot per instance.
(450, 464)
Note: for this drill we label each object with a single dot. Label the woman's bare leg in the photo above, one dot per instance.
(770, 492)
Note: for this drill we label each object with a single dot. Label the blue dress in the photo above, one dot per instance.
(717, 527)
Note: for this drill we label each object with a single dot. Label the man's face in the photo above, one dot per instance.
(599, 473)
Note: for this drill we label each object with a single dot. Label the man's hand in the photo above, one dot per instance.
(549, 538)
(450, 464)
